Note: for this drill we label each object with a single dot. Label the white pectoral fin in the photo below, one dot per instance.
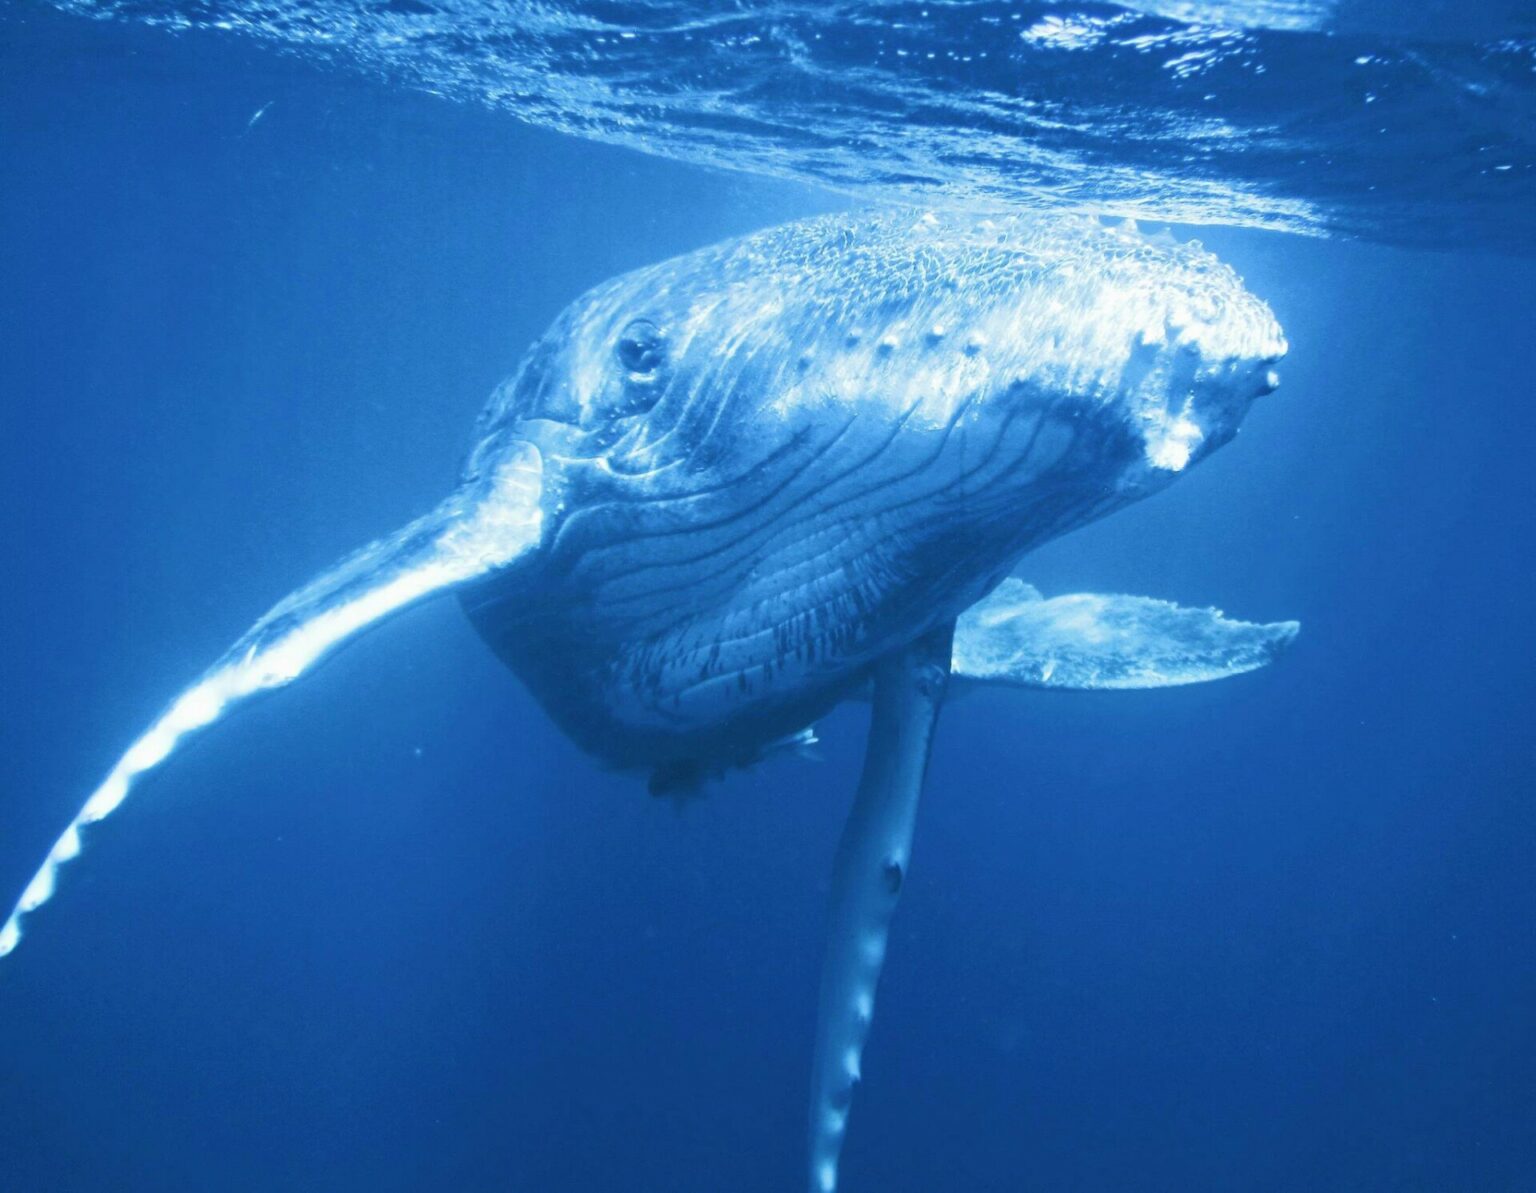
(1088, 641)
(486, 526)
(867, 877)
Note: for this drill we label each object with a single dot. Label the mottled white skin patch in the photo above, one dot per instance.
(867, 877)
(1089, 641)
(493, 520)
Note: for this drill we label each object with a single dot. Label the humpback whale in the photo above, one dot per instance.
(726, 492)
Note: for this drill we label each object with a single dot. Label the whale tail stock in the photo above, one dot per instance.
(493, 520)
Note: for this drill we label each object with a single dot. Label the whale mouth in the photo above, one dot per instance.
(1182, 433)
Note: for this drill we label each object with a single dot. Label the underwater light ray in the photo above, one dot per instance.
(480, 529)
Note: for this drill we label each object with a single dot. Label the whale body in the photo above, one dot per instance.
(725, 492)
(770, 462)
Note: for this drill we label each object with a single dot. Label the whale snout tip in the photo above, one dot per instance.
(1251, 338)
(1274, 350)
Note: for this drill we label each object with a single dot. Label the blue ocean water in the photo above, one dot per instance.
(389, 931)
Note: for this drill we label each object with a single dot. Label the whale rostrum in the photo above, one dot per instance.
(726, 492)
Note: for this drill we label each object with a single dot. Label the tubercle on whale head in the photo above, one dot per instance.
(1215, 348)
(1160, 334)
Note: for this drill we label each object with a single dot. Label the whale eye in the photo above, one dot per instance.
(641, 347)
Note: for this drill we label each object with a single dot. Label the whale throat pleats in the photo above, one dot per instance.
(486, 525)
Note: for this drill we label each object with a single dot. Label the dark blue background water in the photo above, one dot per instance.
(388, 931)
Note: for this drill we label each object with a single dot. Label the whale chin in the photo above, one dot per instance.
(677, 755)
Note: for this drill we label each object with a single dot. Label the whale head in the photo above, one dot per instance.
(770, 461)
(893, 314)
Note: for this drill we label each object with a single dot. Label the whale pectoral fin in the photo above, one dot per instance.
(867, 877)
(1088, 641)
(491, 522)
